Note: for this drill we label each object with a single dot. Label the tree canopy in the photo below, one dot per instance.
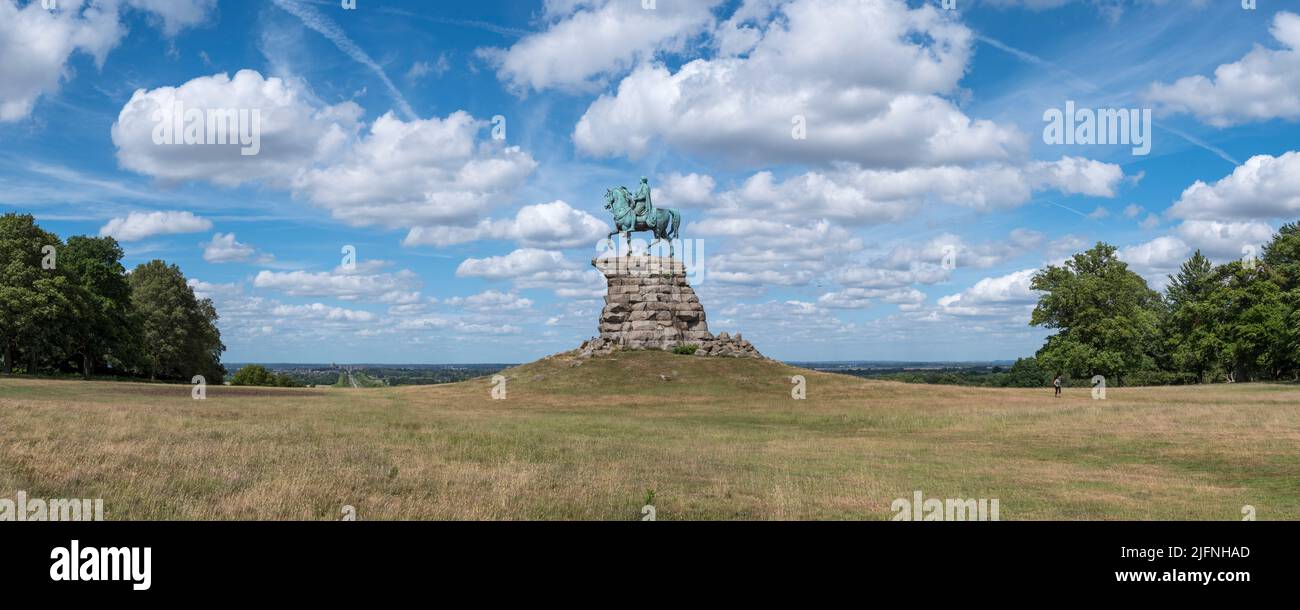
(1105, 315)
(74, 307)
(258, 375)
(1236, 321)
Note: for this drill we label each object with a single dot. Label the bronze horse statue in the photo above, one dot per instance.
(663, 222)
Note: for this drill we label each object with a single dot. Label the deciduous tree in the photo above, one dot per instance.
(1105, 315)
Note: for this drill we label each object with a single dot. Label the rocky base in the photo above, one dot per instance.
(723, 345)
(720, 346)
(651, 305)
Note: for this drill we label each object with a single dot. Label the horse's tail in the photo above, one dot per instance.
(677, 221)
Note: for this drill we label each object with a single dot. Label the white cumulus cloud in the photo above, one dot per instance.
(140, 225)
(398, 288)
(36, 43)
(418, 173)
(1224, 240)
(491, 300)
(223, 248)
(1156, 259)
(885, 112)
(994, 296)
(870, 196)
(293, 133)
(686, 191)
(1263, 85)
(392, 173)
(536, 268)
(588, 40)
(1261, 188)
(323, 312)
(545, 225)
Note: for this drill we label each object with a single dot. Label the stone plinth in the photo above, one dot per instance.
(650, 305)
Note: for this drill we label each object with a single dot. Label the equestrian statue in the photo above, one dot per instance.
(634, 213)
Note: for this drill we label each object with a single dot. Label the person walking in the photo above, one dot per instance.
(1057, 384)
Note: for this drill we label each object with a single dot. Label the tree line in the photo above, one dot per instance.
(258, 375)
(73, 307)
(1237, 321)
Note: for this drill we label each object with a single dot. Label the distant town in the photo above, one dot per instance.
(387, 375)
(375, 375)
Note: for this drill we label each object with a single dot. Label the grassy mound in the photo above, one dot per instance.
(655, 373)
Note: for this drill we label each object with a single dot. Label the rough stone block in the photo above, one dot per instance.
(650, 304)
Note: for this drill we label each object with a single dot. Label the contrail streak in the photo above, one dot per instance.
(1198, 142)
(312, 18)
(1035, 60)
(1066, 208)
(1030, 58)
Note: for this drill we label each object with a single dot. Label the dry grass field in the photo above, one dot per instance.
(720, 439)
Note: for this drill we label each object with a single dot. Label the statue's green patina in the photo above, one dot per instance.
(635, 213)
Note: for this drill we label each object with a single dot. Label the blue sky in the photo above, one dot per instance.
(903, 224)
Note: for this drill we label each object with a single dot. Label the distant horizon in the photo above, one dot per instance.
(424, 364)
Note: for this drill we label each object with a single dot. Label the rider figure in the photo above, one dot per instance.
(641, 200)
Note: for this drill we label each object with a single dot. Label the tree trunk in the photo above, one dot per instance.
(9, 357)
(86, 366)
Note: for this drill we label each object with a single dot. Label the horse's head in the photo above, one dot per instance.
(609, 199)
